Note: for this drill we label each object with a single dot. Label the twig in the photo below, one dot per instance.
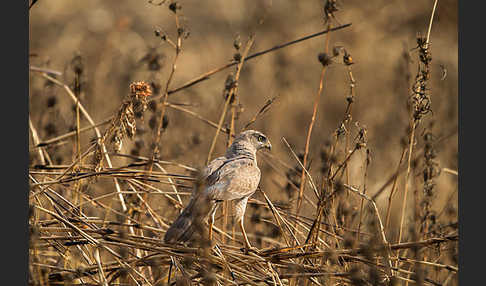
(382, 229)
(211, 123)
(311, 181)
(35, 138)
(44, 70)
(230, 95)
(402, 169)
(97, 131)
(157, 133)
(262, 111)
(309, 132)
(392, 192)
(206, 75)
(70, 134)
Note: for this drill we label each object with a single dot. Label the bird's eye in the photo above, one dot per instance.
(261, 138)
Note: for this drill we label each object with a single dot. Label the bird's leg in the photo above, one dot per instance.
(240, 208)
(248, 246)
(247, 242)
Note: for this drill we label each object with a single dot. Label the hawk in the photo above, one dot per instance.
(234, 176)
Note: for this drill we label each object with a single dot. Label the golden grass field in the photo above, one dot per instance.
(385, 104)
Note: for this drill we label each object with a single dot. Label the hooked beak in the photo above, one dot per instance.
(268, 145)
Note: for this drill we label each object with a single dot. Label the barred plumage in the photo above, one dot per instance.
(234, 176)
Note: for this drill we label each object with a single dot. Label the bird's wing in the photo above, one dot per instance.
(236, 178)
(213, 166)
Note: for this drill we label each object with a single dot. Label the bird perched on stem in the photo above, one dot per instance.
(234, 176)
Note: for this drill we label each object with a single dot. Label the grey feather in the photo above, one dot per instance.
(234, 176)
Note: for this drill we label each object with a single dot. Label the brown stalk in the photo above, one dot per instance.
(70, 134)
(231, 93)
(392, 192)
(414, 122)
(261, 112)
(407, 176)
(157, 135)
(307, 142)
(97, 131)
(382, 229)
(402, 168)
(311, 125)
(35, 138)
(209, 122)
(207, 75)
(367, 162)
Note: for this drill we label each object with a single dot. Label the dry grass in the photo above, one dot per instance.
(128, 100)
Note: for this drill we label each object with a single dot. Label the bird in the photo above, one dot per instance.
(234, 176)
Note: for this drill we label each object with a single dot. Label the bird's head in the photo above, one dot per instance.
(256, 138)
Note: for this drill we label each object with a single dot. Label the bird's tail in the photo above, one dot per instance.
(190, 225)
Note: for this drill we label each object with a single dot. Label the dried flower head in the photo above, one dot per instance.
(123, 124)
(139, 92)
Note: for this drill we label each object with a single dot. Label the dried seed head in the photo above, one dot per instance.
(347, 59)
(374, 277)
(174, 6)
(152, 105)
(357, 277)
(275, 231)
(51, 101)
(153, 122)
(324, 155)
(160, 34)
(237, 43)
(333, 159)
(135, 152)
(183, 281)
(155, 87)
(123, 125)
(404, 141)
(298, 168)
(165, 121)
(209, 278)
(237, 57)
(187, 261)
(330, 7)
(339, 187)
(230, 82)
(196, 140)
(186, 34)
(138, 114)
(127, 123)
(255, 218)
(139, 143)
(300, 155)
(77, 64)
(140, 90)
(336, 50)
(324, 59)
(341, 130)
(349, 241)
(154, 64)
(50, 129)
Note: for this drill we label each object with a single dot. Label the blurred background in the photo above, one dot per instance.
(114, 44)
